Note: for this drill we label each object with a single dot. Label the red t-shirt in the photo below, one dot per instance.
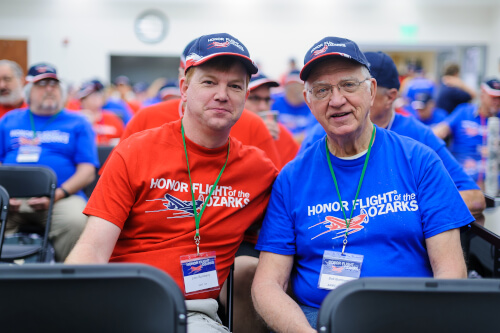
(249, 129)
(109, 127)
(145, 186)
(286, 145)
(6, 108)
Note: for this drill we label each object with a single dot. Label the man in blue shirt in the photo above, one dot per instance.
(382, 114)
(467, 125)
(361, 202)
(46, 134)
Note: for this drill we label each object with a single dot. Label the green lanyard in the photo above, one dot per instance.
(197, 217)
(348, 221)
(32, 120)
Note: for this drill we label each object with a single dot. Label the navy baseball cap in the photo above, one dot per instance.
(421, 99)
(41, 71)
(88, 88)
(259, 79)
(292, 76)
(185, 53)
(492, 87)
(122, 79)
(211, 46)
(169, 89)
(383, 69)
(332, 47)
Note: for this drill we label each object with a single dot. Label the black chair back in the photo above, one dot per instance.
(90, 298)
(411, 305)
(26, 182)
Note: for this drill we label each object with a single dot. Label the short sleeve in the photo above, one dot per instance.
(277, 234)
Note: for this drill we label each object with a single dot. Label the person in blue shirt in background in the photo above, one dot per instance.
(383, 115)
(46, 134)
(467, 126)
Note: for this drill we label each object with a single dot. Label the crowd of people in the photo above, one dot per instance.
(336, 171)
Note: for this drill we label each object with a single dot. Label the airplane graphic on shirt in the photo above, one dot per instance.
(338, 225)
(183, 208)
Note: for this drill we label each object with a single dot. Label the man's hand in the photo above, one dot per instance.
(14, 205)
(272, 127)
(39, 204)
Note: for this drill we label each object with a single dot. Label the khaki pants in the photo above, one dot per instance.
(68, 222)
(203, 318)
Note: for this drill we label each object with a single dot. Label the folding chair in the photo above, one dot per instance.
(411, 305)
(103, 152)
(90, 298)
(26, 182)
(4, 208)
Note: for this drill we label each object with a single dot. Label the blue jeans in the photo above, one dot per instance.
(311, 314)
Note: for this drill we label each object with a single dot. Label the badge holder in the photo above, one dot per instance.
(338, 268)
(199, 272)
(28, 154)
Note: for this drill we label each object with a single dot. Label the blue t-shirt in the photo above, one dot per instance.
(469, 138)
(297, 119)
(412, 128)
(65, 140)
(406, 197)
(438, 115)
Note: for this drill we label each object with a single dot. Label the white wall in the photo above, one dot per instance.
(273, 30)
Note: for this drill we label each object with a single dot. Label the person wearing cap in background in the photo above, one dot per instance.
(453, 91)
(250, 129)
(424, 108)
(467, 125)
(259, 102)
(383, 114)
(107, 125)
(47, 134)
(293, 111)
(11, 86)
(362, 197)
(142, 209)
(126, 93)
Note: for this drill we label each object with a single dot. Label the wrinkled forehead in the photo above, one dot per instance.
(334, 67)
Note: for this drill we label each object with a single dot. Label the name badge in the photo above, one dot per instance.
(338, 268)
(28, 154)
(200, 273)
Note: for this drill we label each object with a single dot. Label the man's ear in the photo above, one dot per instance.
(183, 85)
(392, 94)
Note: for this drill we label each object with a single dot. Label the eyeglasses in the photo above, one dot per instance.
(323, 91)
(47, 82)
(258, 99)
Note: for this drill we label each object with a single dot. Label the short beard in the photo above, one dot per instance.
(13, 99)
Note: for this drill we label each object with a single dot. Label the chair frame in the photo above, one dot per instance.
(14, 179)
(437, 304)
(79, 293)
(4, 202)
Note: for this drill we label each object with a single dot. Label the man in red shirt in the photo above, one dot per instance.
(180, 196)
(107, 126)
(11, 87)
(249, 129)
(259, 102)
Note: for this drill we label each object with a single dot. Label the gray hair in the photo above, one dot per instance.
(16, 69)
(62, 86)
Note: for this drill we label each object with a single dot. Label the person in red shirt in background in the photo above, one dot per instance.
(11, 87)
(250, 129)
(107, 125)
(259, 102)
(126, 93)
